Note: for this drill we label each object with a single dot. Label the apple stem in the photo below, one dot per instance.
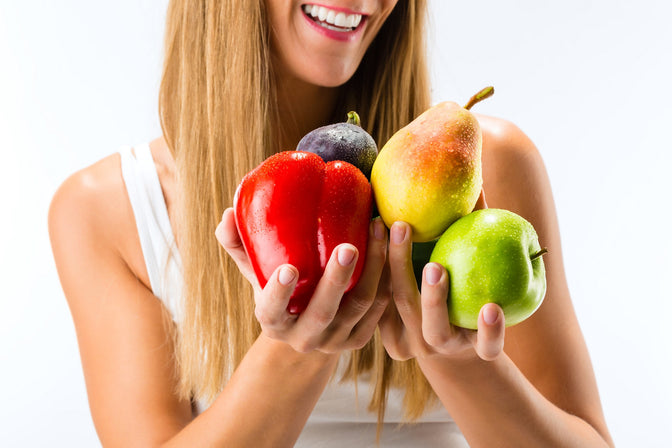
(353, 118)
(480, 96)
(539, 254)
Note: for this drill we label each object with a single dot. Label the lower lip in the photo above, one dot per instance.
(343, 36)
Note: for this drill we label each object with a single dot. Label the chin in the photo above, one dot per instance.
(326, 73)
(330, 79)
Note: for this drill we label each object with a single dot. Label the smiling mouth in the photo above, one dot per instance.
(332, 19)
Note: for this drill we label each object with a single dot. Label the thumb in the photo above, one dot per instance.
(490, 336)
(228, 236)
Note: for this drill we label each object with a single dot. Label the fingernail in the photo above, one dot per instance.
(490, 315)
(345, 255)
(432, 274)
(286, 276)
(397, 233)
(378, 229)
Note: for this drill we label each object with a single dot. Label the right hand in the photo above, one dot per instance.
(334, 320)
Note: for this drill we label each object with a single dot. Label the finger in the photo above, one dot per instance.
(326, 299)
(271, 304)
(480, 202)
(404, 287)
(228, 236)
(359, 299)
(490, 336)
(364, 329)
(394, 335)
(436, 328)
(392, 331)
(359, 313)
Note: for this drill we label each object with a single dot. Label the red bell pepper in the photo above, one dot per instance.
(295, 208)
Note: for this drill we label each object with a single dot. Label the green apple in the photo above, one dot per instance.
(492, 256)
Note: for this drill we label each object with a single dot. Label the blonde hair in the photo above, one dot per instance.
(217, 108)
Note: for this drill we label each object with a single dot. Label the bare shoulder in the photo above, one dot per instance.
(90, 196)
(502, 133)
(89, 204)
(91, 210)
(514, 173)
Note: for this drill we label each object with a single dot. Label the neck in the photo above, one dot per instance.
(302, 107)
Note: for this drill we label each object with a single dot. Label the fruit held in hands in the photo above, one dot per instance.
(295, 208)
(494, 256)
(429, 173)
(342, 141)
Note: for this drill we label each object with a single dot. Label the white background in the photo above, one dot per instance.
(588, 80)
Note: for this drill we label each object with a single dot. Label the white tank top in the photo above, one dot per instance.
(341, 417)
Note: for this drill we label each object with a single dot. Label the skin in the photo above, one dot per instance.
(310, 66)
(483, 378)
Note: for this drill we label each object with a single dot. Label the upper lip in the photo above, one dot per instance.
(336, 8)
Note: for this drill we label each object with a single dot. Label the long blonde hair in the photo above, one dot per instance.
(217, 108)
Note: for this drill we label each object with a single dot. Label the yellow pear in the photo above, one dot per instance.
(429, 173)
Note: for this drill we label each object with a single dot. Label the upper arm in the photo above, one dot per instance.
(548, 347)
(124, 338)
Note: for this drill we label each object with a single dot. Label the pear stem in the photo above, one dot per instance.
(539, 254)
(353, 118)
(480, 96)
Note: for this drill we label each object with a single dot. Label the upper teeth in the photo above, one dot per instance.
(332, 17)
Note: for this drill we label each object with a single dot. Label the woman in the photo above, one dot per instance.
(217, 361)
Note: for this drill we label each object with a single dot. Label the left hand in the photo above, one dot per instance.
(333, 320)
(417, 325)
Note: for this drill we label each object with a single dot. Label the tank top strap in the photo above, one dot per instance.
(157, 240)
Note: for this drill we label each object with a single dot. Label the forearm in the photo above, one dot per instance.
(495, 405)
(266, 402)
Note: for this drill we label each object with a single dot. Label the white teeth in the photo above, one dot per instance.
(339, 20)
(332, 17)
